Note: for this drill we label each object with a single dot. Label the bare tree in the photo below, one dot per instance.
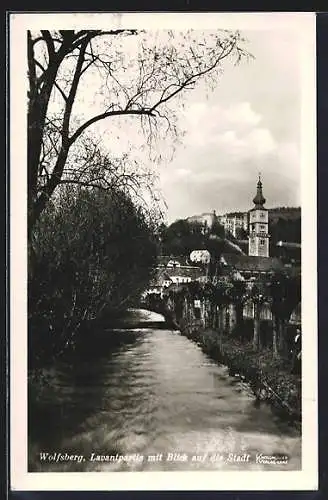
(128, 73)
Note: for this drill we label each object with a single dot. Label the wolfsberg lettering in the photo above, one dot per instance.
(60, 457)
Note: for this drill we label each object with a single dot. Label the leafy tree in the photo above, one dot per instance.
(259, 296)
(132, 74)
(84, 266)
(182, 237)
(221, 298)
(237, 295)
(285, 292)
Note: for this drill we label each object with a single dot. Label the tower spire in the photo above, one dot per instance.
(259, 199)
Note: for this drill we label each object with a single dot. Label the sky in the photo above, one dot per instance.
(249, 124)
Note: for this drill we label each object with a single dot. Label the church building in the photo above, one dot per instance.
(258, 262)
(258, 232)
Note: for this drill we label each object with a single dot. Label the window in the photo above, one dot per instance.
(262, 241)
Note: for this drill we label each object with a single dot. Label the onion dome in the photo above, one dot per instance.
(259, 199)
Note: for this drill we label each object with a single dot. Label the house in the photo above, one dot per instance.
(200, 256)
(171, 274)
(184, 274)
(164, 260)
(206, 219)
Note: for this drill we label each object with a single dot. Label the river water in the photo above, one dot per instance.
(154, 402)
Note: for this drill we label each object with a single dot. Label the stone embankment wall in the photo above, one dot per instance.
(269, 376)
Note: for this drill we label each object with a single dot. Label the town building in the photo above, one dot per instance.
(234, 222)
(206, 219)
(172, 273)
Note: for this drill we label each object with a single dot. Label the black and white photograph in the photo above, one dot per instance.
(163, 251)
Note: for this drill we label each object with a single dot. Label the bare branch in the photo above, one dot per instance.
(50, 43)
(55, 83)
(102, 116)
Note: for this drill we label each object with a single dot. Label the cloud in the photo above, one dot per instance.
(242, 113)
(225, 148)
(250, 123)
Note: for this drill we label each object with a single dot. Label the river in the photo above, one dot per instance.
(154, 402)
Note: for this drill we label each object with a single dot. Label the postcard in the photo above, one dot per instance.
(163, 251)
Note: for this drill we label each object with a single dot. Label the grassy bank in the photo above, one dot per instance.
(271, 379)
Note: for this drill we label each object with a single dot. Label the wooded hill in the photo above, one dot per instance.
(285, 224)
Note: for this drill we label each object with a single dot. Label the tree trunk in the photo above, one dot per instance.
(232, 318)
(202, 313)
(282, 339)
(221, 326)
(274, 336)
(256, 334)
(227, 319)
(215, 317)
(239, 318)
(220, 319)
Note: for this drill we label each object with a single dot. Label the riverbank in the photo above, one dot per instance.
(269, 378)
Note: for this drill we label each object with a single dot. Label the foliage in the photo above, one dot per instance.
(183, 236)
(92, 252)
(285, 292)
(237, 292)
(259, 293)
(285, 225)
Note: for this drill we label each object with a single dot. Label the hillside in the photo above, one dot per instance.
(285, 224)
(286, 213)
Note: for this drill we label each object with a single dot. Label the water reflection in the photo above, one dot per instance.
(156, 393)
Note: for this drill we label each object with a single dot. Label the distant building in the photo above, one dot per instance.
(171, 273)
(249, 266)
(171, 261)
(200, 256)
(184, 274)
(234, 221)
(206, 219)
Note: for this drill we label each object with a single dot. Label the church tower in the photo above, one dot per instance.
(258, 234)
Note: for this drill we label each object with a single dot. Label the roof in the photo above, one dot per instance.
(250, 263)
(240, 215)
(165, 274)
(192, 272)
(258, 207)
(163, 260)
(259, 199)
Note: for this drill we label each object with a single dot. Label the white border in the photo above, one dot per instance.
(307, 478)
